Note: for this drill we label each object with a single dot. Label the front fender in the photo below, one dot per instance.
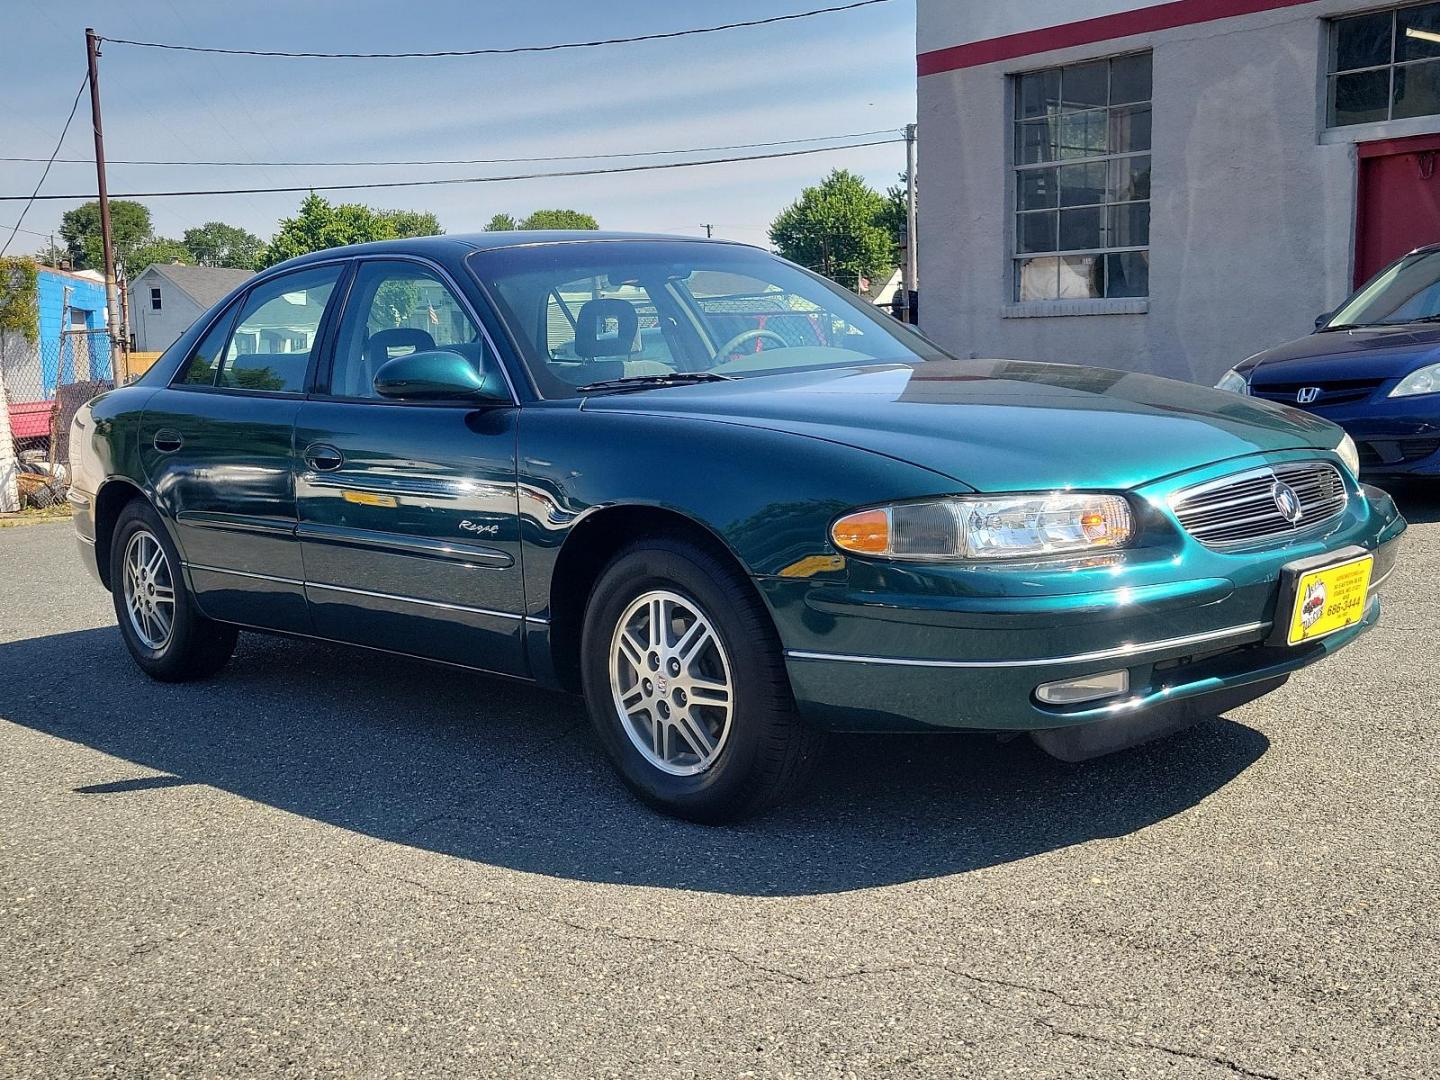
(769, 496)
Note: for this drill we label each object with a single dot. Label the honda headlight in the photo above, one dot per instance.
(1233, 381)
(1425, 380)
(985, 527)
(1349, 454)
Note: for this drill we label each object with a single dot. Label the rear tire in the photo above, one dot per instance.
(159, 620)
(697, 716)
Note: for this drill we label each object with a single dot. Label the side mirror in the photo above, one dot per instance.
(1323, 318)
(435, 375)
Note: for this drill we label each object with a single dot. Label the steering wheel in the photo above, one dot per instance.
(746, 337)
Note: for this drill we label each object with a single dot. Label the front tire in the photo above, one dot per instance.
(163, 629)
(686, 685)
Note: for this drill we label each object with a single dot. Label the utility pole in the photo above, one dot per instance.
(121, 371)
(709, 231)
(910, 278)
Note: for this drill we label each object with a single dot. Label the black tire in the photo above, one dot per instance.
(768, 751)
(196, 647)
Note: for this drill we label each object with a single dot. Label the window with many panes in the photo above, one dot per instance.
(1082, 180)
(1385, 65)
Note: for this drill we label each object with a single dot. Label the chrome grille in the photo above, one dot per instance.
(1247, 508)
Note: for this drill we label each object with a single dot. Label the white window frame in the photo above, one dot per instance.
(1017, 308)
(1425, 122)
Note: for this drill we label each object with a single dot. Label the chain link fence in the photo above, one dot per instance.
(42, 384)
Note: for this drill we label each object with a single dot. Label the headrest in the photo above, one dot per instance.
(607, 328)
(377, 349)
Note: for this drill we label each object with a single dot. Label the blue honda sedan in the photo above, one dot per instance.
(1372, 366)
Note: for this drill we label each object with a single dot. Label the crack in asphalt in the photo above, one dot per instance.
(135, 952)
(1173, 1051)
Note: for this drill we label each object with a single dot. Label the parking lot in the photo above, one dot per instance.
(328, 862)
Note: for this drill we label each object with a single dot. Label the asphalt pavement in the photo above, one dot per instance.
(333, 863)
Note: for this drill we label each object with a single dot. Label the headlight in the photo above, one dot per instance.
(1349, 454)
(1233, 381)
(980, 527)
(1425, 380)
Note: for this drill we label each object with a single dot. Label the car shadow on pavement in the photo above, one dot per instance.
(505, 774)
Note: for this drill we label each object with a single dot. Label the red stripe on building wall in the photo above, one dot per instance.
(1087, 32)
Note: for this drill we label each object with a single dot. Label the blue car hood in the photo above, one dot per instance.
(1002, 425)
(1364, 353)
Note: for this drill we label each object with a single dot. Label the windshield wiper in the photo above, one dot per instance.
(651, 382)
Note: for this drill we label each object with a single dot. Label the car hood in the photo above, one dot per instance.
(1381, 352)
(1001, 425)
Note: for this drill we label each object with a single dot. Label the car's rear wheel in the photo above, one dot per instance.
(161, 625)
(686, 685)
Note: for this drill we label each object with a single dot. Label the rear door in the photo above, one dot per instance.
(408, 515)
(217, 447)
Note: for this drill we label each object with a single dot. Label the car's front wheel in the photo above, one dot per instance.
(686, 685)
(165, 632)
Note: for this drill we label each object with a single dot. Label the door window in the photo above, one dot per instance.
(397, 308)
(278, 330)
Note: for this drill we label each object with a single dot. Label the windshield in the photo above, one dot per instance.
(1406, 291)
(593, 312)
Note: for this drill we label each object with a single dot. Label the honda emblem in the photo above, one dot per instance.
(1306, 394)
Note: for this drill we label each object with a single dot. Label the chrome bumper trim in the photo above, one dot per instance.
(1117, 653)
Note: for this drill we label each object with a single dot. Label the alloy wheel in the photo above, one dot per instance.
(671, 681)
(149, 589)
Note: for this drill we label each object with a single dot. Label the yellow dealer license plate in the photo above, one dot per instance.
(1330, 599)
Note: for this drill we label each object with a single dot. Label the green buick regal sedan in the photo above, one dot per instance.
(729, 503)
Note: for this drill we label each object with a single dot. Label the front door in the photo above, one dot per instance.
(1399, 201)
(217, 448)
(408, 516)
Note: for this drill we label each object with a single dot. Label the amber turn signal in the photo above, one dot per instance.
(865, 532)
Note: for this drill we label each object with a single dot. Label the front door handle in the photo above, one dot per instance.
(168, 441)
(323, 458)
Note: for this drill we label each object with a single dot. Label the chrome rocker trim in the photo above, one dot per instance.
(1118, 652)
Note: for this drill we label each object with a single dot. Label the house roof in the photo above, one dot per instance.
(206, 285)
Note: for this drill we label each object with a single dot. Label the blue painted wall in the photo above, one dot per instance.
(57, 350)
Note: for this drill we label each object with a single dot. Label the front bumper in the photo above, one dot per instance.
(1396, 436)
(926, 648)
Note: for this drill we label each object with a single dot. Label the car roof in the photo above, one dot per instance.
(451, 244)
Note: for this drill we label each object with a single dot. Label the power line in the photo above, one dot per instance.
(470, 179)
(58, 143)
(27, 232)
(499, 52)
(470, 161)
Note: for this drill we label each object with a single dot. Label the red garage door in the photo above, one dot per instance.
(1399, 201)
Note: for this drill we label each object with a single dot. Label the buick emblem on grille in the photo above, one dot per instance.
(1306, 394)
(1287, 502)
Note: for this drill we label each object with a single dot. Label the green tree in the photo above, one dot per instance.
(158, 249)
(320, 224)
(836, 229)
(894, 215)
(130, 227)
(559, 219)
(502, 222)
(408, 223)
(218, 244)
(19, 297)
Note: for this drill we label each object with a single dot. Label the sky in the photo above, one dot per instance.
(830, 75)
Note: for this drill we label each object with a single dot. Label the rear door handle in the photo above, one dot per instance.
(168, 441)
(323, 458)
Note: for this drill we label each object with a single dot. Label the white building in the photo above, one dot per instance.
(166, 298)
(1166, 187)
